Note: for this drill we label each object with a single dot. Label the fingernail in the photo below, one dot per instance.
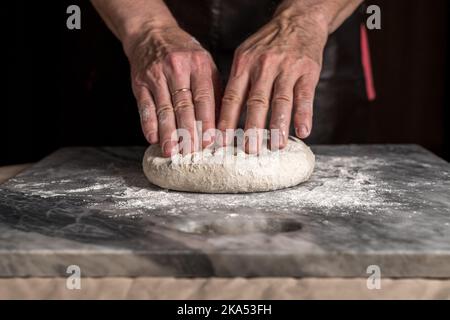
(302, 131)
(207, 141)
(168, 148)
(276, 139)
(281, 139)
(208, 137)
(251, 148)
(152, 137)
(229, 138)
(251, 144)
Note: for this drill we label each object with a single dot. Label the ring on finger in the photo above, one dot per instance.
(180, 90)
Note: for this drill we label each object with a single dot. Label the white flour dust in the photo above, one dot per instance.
(344, 182)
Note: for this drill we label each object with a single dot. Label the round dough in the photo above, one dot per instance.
(216, 171)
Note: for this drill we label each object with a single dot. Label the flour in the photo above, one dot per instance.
(337, 182)
(347, 186)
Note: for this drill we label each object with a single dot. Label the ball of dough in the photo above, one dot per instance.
(230, 170)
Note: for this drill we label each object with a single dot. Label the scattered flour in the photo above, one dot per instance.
(337, 182)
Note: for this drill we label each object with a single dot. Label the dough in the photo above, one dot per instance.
(220, 171)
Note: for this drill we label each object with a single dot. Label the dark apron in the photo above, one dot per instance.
(340, 108)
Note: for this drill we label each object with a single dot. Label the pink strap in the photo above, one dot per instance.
(367, 65)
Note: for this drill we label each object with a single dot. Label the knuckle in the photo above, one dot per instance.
(289, 65)
(154, 69)
(231, 97)
(146, 105)
(282, 99)
(291, 61)
(182, 104)
(304, 92)
(258, 101)
(199, 57)
(240, 62)
(163, 111)
(280, 123)
(274, 125)
(173, 58)
(304, 95)
(310, 66)
(138, 81)
(304, 102)
(176, 62)
(154, 73)
(224, 124)
(266, 58)
(207, 123)
(146, 114)
(202, 96)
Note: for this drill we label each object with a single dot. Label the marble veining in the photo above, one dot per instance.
(385, 205)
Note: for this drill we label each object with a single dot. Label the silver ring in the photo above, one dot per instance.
(180, 90)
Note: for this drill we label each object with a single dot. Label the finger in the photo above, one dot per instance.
(178, 76)
(233, 98)
(303, 104)
(258, 103)
(281, 105)
(203, 97)
(166, 117)
(147, 112)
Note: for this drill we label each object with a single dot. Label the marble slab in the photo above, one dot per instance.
(384, 205)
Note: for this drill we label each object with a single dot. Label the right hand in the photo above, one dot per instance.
(163, 62)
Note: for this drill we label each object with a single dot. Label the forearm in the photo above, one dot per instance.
(128, 18)
(331, 13)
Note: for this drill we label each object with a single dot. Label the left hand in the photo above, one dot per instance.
(277, 68)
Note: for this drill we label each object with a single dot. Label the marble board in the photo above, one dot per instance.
(383, 205)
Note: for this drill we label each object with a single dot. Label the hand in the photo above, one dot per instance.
(175, 83)
(277, 68)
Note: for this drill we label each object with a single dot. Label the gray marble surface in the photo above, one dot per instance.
(384, 205)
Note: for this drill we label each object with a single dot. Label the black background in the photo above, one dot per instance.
(71, 87)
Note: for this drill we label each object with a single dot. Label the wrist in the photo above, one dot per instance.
(318, 14)
(136, 30)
